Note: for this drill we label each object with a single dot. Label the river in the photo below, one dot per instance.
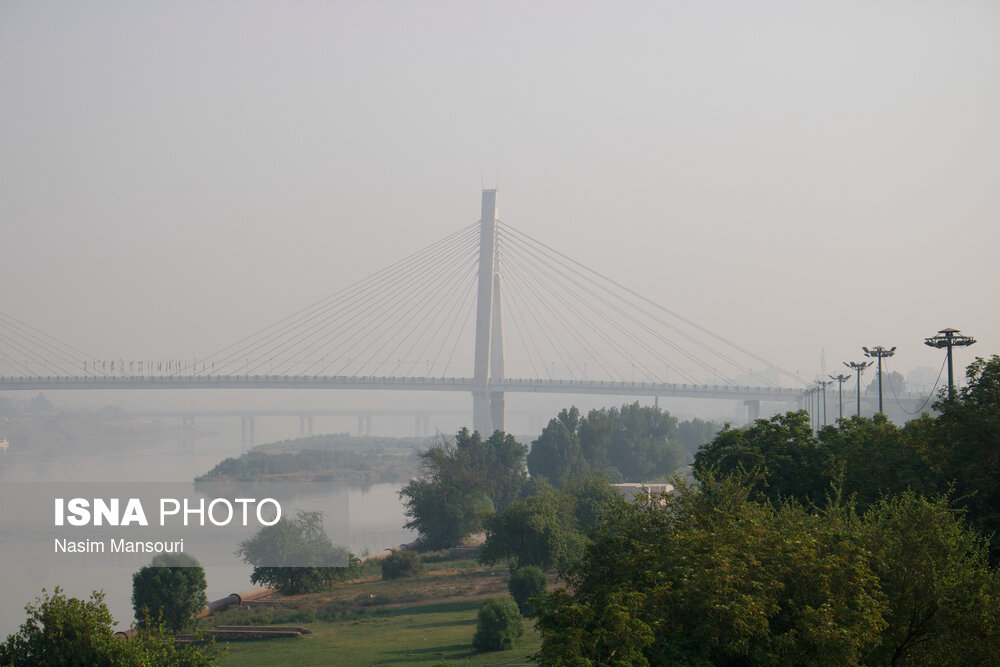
(374, 513)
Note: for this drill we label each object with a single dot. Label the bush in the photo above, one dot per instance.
(69, 631)
(499, 625)
(295, 556)
(171, 589)
(401, 563)
(527, 582)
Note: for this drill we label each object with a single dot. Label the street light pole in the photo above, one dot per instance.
(949, 338)
(807, 403)
(841, 379)
(879, 352)
(858, 366)
(814, 404)
(822, 388)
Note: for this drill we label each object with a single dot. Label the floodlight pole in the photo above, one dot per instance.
(858, 366)
(949, 338)
(822, 388)
(841, 379)
(813, 409)
(814, 403)
(879, 352)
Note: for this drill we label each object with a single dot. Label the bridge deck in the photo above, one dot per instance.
(598, 387)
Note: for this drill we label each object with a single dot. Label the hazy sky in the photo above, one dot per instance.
(796, 176)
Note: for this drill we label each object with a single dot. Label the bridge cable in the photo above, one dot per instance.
(926, 400)
(231, 353)
(664, 309)
(349, 298)
(331, 311)
(614, 305)
(633, 360)
(517, 262)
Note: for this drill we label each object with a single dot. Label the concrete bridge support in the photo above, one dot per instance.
(305, 425)
(753, 411)
(488, 407)
(246, 429)
(364, 424)
(421, 425)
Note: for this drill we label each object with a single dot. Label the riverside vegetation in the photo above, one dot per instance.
(339, 458)
(866, 543)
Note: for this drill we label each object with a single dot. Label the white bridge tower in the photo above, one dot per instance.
(488, 407)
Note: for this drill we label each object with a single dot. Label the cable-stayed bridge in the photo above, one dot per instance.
(488, 310)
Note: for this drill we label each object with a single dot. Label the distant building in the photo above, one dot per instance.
(633, 489)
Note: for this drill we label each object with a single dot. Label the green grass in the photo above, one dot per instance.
(424, 620)
(417, 634)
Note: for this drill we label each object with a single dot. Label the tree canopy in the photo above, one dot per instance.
(865, 543)
(712, 576)
(633, 444)
(462, 482)
(548, 528)
(296, 556)
(171, 589)
(72, 632)
(968, 430)
(956, 451)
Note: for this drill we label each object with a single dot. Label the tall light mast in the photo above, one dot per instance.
(880, 353)
(949, 338)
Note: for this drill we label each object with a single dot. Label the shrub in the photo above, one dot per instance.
(527, 582)
(499, 625)
(295, 556)
(171, 589)
(401, 563)
(70, 631)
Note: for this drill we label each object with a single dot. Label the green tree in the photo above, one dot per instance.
(548, 528)
(295, 556)
(499, 625)
(694, 433)
(539, 530)
(643, 443)
(941, 593)
(526, 583)
(968, 429)
(635, 444)
(872, 457)
(592, 497)
(711, 577)
(461, 483)
(171, 589)
(556, 454)
(71, 632)
(783, 448)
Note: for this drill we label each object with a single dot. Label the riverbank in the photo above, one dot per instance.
(424, 620)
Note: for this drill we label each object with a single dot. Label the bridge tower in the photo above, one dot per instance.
(488, 407)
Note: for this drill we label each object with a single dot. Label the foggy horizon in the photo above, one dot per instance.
(799, 180)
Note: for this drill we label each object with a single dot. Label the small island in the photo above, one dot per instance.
(337, 457)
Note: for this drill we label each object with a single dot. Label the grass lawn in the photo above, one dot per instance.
(412, 634)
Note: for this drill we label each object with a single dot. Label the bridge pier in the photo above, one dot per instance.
(305, 425)
(753, 410)
(487, 406)
(187, 422)
(421, 425)
(246, 429)
(365, 424)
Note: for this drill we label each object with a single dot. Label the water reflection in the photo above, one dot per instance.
(374, 513)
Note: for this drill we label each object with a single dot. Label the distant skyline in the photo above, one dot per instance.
(797, 177)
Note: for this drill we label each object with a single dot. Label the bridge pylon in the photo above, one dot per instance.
(488, 407)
